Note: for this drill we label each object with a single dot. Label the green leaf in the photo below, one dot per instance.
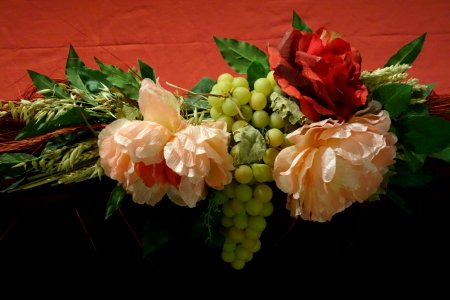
(14, 185)
(254, 71)
(395, 97)
(125, 81)
(43, 82)
(413, 160)
(73, 67)
(204, 86)
(298, 23)
(8, 161)
(408, 53)
(239, 54)
(403, 176)
(418, 109)
(250, 146)
(443, 155)
(424, 134)
(399, 201)
(115, 200)
(75, 115)
(146, 70)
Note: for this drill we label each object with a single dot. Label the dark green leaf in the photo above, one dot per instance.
(399, 201)
(419, 109)
(75, 115)
(429, 89)
(408, 53)
(413, 160)
(9, 160)
(254, 71)
(424, 134)
(239, 54)
(202, 87)
(74, 65)
(298, 23)
(444, 155)
(13, 186)
(404, 177)
(65, 139)
(115, 200)
(395, 97)
(146, 70)
(43, 82)
(125, 81)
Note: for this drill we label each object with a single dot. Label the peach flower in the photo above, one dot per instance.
(163, 154)
(333, 164)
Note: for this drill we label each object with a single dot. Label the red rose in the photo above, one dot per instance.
(320, 71)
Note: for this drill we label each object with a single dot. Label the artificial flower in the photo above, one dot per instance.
(333, 164)
(321, 72)
(163, 154)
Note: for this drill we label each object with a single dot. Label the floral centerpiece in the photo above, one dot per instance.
(302, 120)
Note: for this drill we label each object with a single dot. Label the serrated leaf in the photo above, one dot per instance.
(424, 134)
(254, 71)
(250, 146)
(43, 82)
(115, 200)
(202, 87)
(239, 54)
(298, 23)
(443, 155)
(146, 70)
(9, 160)
(395, 97)
(413, 160)
(408, 53)
(75, 115)
(126, 82)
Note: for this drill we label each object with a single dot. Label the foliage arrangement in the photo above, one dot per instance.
(301, 119)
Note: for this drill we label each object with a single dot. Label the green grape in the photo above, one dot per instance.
(237, 206)
(257, 246)
(263, 85)
(228, 256)
(267, 209)
(249, 243)
(240, 221)
(276, 121)
(243, 174)
(275, 137)
(240, 82)
(216, 99)
(243, 192)
(229, 245)
(227, 222)
(238, 264)
(269, 156)
(262, 172)
(252, 234)
(230, 108)
(234, 151)
(242, 253)
(271, 78)
(215, 113)
(260, 119)
(236, 235)
(247, 113)
(242, 95)
(225, 77)
(258, 101)
(228, 190)
(238, 124)
(228, 120)
(253, 207)
(257, 223)
(278, 90)
(262, 192)
(225, 86)
(227, 211)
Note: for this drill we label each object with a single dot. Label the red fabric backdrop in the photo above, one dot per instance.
(175, 37)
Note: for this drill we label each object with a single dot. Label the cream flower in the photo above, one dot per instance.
(162, 154)
(333, 164)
